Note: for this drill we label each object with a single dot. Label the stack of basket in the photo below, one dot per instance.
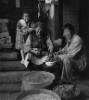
(5, 38)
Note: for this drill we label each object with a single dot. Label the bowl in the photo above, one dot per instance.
(50, 64)
(38, 94)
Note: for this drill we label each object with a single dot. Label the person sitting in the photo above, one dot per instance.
(72, 55)
(22, 35)
(41, 44)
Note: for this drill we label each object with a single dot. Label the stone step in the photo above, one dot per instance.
(11, 81)
(11, 66)
(9, 54)
(12, 77)
(10, 87)
(9, 96)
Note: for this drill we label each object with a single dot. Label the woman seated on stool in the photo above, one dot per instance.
(40, 42)
(72, 55)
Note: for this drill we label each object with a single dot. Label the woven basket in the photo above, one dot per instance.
(24, 94)
(27, 84)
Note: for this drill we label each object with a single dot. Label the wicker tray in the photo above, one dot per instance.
(37, 92)
(37, 79)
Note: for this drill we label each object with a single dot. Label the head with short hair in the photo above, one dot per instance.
(40, 30)
(25, 16)
(68, 31)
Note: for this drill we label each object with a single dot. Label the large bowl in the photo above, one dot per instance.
(37, 92)
(37, 80)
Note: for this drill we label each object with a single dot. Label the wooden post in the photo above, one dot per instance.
(52, 20)
(55, 19)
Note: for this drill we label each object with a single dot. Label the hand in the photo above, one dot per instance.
(31, 29)
(62, 56)
(45, 58)
(50, 49)
(35, 51)
(61, 51)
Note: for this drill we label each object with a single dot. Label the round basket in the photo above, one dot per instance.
(38, 94)
(37, 80)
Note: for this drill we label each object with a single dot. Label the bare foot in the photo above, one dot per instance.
(26, 62)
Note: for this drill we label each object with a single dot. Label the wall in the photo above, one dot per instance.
(77, 13)
(8, 10)
(71, 12)
(58, 19)
(84, 21)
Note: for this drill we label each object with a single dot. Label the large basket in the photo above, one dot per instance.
(37, 80)
(23, 95)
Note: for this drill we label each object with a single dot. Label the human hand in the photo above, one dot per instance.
(62, 56)
(35, 51)
(50, 49)
(31, 29)
(45, 58)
